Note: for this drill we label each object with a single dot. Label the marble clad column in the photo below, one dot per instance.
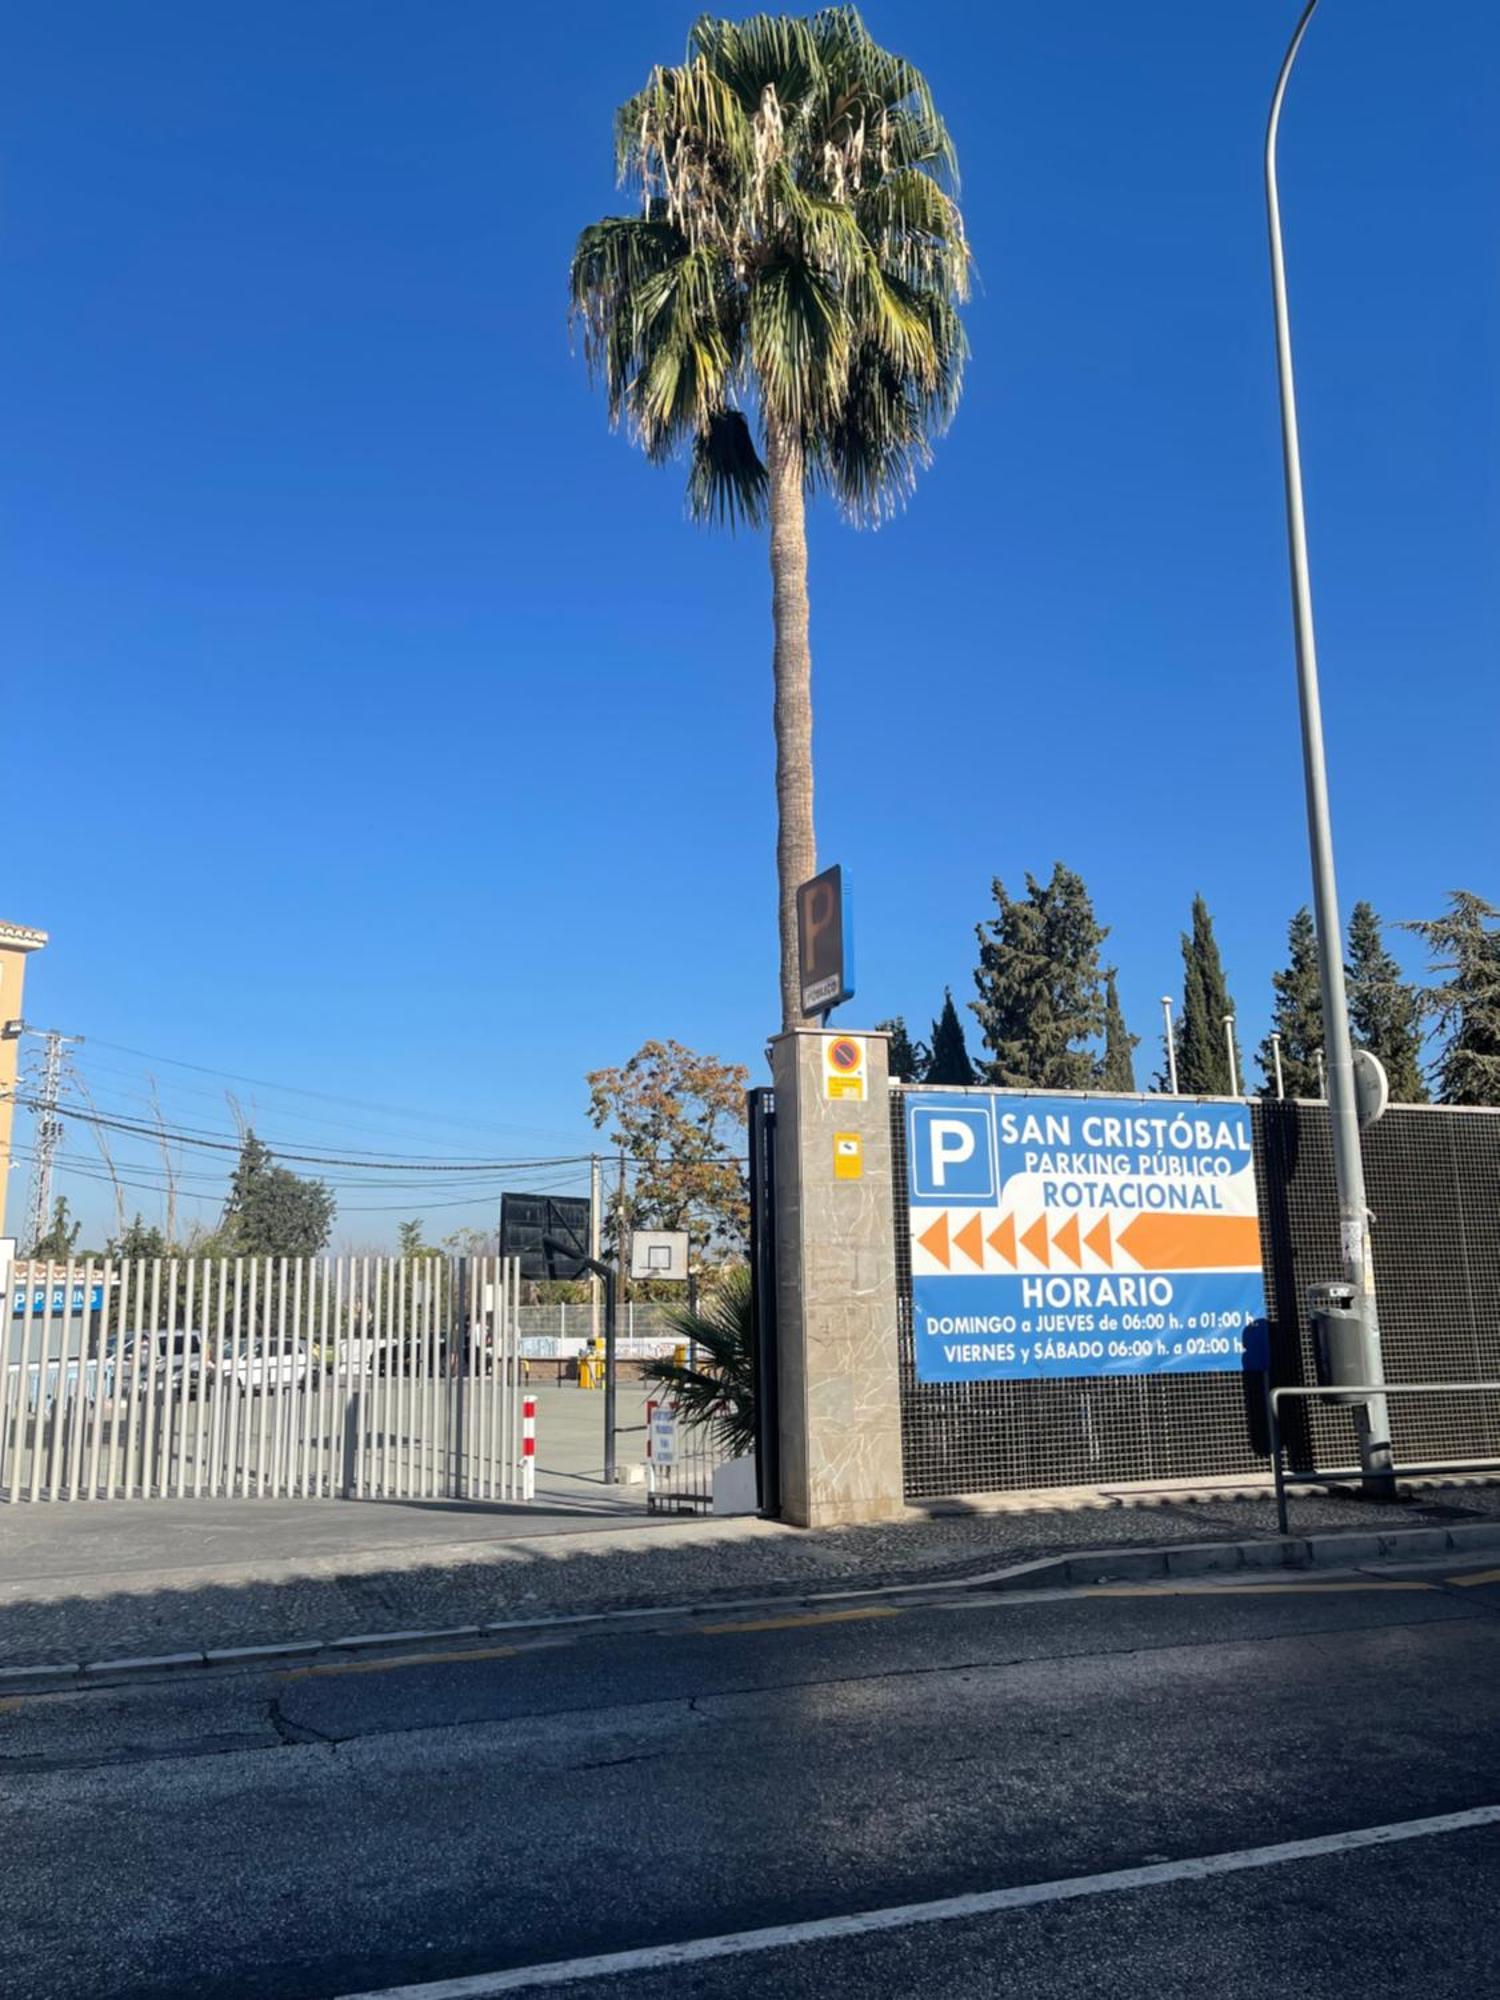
(836, 1293)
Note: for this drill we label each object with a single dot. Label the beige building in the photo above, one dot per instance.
(16, 945)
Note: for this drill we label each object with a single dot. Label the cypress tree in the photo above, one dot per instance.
(1118, 1069)
(1040, 999)
(1202, 1056)
(1297, 1014)
(905, 1058)
(1466, 1005)
(948, 1058)
(1384, 1012)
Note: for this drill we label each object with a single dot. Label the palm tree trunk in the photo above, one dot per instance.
(796, 847)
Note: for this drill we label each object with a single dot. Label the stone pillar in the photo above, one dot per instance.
(835, 1290)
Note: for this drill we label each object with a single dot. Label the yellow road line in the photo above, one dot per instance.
(1480, 1576)
(1239, 1589)
(402, 1660)
(802, 1618)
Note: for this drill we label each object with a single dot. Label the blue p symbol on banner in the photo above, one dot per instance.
(952, 1154)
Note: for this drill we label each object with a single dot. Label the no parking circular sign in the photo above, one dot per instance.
(844, 1067)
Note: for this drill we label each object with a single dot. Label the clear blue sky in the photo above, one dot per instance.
(378, 726)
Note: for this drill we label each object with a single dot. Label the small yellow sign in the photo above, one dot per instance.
(848, 1156)
(844, 1068)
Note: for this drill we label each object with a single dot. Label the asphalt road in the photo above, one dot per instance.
(348, 1829)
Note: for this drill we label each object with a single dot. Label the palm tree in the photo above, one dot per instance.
(783, 311)
(717, 1388)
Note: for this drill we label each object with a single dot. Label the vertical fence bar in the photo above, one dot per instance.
(191, 1377)
(10, 1450)
(502, 1383)
(404, 1280)
(239, 1409)
(116, 1373)
(384, 1283)
(322, 1483)
(277, 1376)
(70, 1382)
(362, 1266)
(259, 1361)
(38, 1406)
(146, 1350)
(343, 1363)
(301, 1367)
(58, 1452)
(205, 1375)
(477, 1268)
(303, 1362)
(217, 1472)
(429, 1373)
(133, 1347)
(166, 1340)
(94, 1334)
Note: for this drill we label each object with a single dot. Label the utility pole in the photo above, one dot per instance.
(48, 1135)
(1371, 1418)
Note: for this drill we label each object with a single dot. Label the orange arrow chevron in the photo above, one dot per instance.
(1193, 1242)
(968, 1239)
(935, 1240)
(1035, 1240)
(1097, 1240)
(1066, 1240)
(1002, 1238)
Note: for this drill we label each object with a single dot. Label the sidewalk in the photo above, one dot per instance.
(122, 1580)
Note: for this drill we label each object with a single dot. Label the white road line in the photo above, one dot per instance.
(988, 1902)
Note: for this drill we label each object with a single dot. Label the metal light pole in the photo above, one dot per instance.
(1234, 1067)
(1371, 1419)
(1276, 1053)
(1166, 1015)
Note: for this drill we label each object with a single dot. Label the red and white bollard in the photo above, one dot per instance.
(528, 1448)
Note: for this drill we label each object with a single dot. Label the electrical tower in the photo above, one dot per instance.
(48, 1136)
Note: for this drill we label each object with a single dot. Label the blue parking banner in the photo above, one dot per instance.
(1056, 1236)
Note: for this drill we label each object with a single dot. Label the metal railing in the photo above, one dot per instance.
(1346, 1391)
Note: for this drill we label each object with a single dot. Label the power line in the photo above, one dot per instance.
(299, 1090)
(202, 1139)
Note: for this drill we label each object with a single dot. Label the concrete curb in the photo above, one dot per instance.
(1049, 1573)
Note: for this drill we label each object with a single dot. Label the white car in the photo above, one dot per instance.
(268, 1365)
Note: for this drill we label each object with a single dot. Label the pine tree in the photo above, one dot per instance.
(1296, 1015)
(59, 1240)
(905, 1059)
(1466, 1005)
(1040, 992)
(272, 1212)
(1118, 1069)
(1202, 1054)
(1385, 1013)
(948, 1058)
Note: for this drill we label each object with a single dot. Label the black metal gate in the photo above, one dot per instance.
(762, 1108)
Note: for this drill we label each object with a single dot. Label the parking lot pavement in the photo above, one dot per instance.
(348, 1827)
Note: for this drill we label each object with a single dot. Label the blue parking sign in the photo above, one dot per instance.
(952, 1151)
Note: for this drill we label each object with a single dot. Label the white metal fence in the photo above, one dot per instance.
(259, 1378)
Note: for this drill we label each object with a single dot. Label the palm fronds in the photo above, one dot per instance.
(716, 1390)
(799, 260)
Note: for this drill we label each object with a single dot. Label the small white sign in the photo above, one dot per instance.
(663, 1435)
(659, 1253)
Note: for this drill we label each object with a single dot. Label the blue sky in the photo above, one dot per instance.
(379, 727)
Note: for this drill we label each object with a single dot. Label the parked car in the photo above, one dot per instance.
(267, 1365)
(179, 1356)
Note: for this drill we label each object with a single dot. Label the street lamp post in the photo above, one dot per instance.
(1371, 1419)
(1234, 1068)
(1170, 1039)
